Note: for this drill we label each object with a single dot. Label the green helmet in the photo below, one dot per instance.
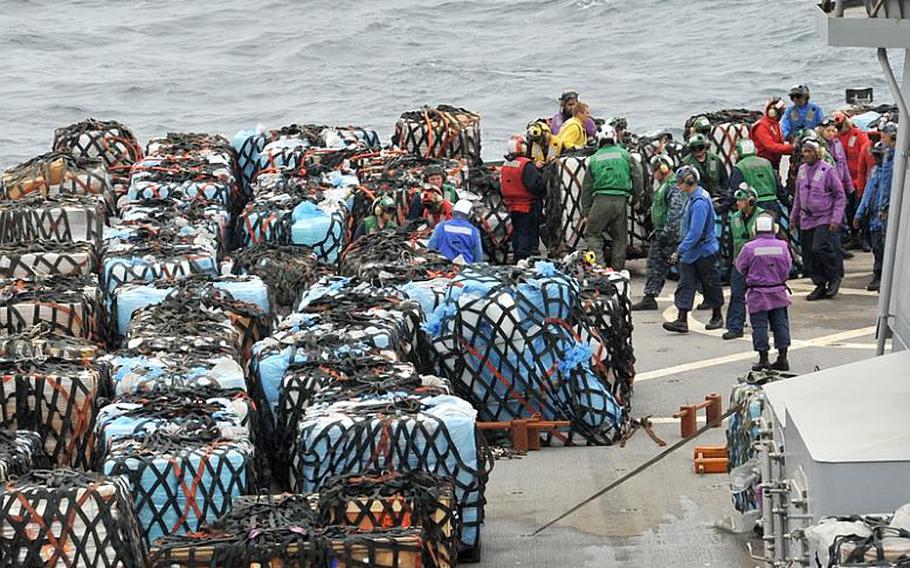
(745, 147)
(384, 203)
(701, 124)
(745, 192)
(697, 140)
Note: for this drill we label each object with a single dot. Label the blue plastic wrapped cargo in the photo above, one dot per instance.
(131, 373)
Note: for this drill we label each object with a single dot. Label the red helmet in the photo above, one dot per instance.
(516, 145)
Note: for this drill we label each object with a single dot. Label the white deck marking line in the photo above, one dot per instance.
(824, 341)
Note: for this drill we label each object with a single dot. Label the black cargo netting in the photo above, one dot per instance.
(286, 270)
(304, 384)
(129, 372)
(190, 178)
(107, 140)
(153, 259)
(20, 452)
(40, 343)
(43, 258)
(293, 546)
(395, 257)
(183, 324)
(68, 518)
(563, 226)
(64, 219)
(517, 343)
(56, 399)
(441, 132)
(70, 305)
(400, 434)
(182, 482)
(396, 499)
(727, 128)
(269, 511)
(871, 541)
(56, 174)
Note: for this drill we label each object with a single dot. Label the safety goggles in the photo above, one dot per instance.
(698, 147)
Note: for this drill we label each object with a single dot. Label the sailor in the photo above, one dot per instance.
(766, 132)
(567, 102)
(818, 211)
(802, 114)
(430, 205)
(765, 265)
(713, 174)
(522, 190)
(457, 238)
(611, 178)
(827, 130)
(757, 173)
(667, 206)
(541, 145)
(854, 142)
(889, 139)
(870, 213)
(701, 125)
(697, 255)
(742, 229)
(436, 176)
(621, 126)
(383, 217)
(573, 134)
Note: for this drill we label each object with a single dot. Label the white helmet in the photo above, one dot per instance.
(516, 145)
(606, 133)
(463, 206)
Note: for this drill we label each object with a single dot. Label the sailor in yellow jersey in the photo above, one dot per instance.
(572, 135)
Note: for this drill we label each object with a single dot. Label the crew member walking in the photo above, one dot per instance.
(818, 210)
(870, 213)
(742, 229)
(697, 255)
(765, 265)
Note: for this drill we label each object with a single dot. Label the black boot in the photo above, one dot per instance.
(818, 293)
(763, 363)
(833, 287)
(717, 320)
(703, 306)
(782, 364)
(874, 285)
(731, 334)
(646, 303)
(681, 325)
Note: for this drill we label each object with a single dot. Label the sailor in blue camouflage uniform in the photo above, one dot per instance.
(667, 207)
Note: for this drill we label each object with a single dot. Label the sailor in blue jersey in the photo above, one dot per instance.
(802, 114)
(458, 239)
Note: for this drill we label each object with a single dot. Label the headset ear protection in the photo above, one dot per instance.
(664, 168)
(772, 112)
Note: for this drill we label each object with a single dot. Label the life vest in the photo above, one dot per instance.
(759, 173)
(516, 196)
(660, 204)
(444, 214)
(371, 225)
(742, 230)
(611, 171)
(709, 171)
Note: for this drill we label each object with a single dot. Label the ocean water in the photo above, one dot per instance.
(219, 66)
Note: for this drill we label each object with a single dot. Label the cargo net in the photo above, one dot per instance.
(151, 260)
(396, 499)
(179, 223)
(20, 452)
(441, 132)
(727, 128)
(43, 258)
(304, 384)
(70, 305)
(395, 257)
(64, 219)
(605, 322)
(484, 189)
(193, 178)
(506, 338)
(41, 342)
(68, 518)
(286, 270)
(744, 429)
(56, 399)
(135, 373)
(182, 482)
(106, 140)
(861, 540)
(183, 324)
(397, 433)
(55, 174)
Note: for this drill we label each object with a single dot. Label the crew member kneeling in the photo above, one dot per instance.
(765, 264)
(522, 188)
(458, 239)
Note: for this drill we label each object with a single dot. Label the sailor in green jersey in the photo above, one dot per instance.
(742, 229)
(611, 178)
(436, 176)
(383, 217)
(709, 165)
(757, 173)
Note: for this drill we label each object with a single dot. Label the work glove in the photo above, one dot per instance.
(674, 258)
